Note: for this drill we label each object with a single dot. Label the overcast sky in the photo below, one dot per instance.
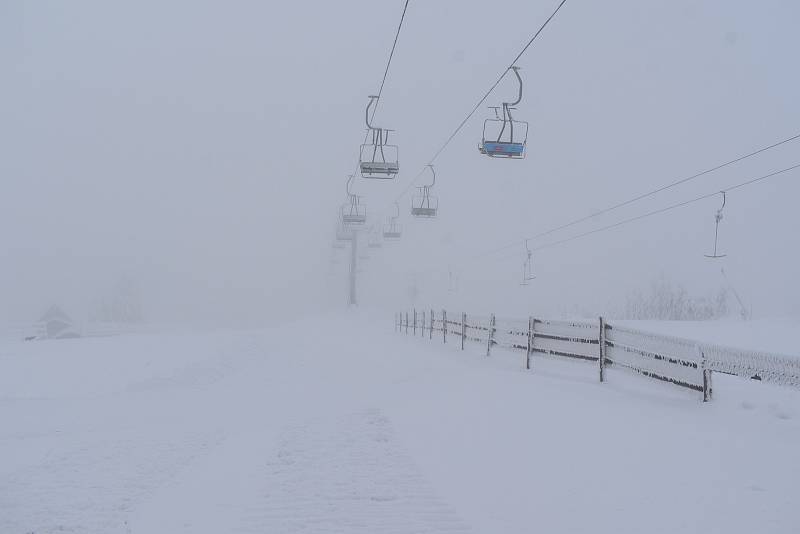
(201, 149)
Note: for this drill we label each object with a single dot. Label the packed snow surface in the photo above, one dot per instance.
(340, 425)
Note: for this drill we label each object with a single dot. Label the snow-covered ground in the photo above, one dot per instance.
(341, 425)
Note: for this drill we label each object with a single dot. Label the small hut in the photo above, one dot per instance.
(57, 325)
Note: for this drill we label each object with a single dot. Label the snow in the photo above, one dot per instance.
(778, 335)
(338, 424)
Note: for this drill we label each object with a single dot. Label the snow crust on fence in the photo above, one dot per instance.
(656, 356)
(571, 339)
(454, 324)
(476, 328)
(511, 333)
(768, 367)
(679, 361)
(569, 329)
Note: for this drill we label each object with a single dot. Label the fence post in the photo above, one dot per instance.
(406, 322)
(530, 343)
(414, 330)
(707, 389)
(602, 358)
(423, 323)
(444, 326)
(431, 329)
(463, 329)
(490, 337)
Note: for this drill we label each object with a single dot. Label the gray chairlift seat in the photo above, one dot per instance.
(378, 159)
(344, 235)
(423, 204)
(352, 212)
(392, 230)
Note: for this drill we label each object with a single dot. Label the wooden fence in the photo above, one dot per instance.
(681, 362)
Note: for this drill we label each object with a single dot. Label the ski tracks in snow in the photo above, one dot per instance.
(93, 487)
(350, 475)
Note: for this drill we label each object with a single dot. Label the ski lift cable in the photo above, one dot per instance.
(383, 81)
(668, 208)
(636, 218)
(386, 70)
(480, 102)
(644, 195)
(494, 86)
(391, 55)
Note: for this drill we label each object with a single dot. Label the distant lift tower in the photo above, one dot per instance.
(352, 299)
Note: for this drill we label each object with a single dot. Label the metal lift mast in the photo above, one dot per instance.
(353, 300)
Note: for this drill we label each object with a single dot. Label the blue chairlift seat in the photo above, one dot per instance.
(498, 141)
(509, 150)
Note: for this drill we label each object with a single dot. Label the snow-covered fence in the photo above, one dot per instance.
(681, 362)
(765, 366)
(664, 358)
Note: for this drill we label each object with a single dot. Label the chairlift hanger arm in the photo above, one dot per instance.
(430, 166)
(372, 99)
(519, 79)
(718, 216)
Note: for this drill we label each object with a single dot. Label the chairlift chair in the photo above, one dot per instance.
(378, 159)
(374, 241)
(344, 235)
(423, 204)
(504, 137)
(717, 219)
(527, 268)
(392, 230)
(352, 212)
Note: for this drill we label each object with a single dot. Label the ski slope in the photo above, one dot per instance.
(338, 424)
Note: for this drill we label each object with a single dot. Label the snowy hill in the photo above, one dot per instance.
(341, 425)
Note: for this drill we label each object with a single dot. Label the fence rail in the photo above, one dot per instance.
(681, 362)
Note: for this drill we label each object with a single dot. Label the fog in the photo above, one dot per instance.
(198, 152)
